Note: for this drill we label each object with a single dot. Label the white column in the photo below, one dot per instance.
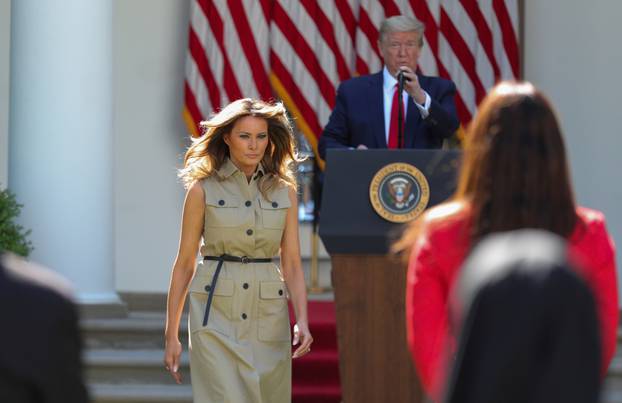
(5, 34)
(572, 53)
(61, 137)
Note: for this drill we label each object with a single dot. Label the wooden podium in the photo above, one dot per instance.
(374, 361)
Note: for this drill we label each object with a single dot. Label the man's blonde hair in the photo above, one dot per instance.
(401, 23)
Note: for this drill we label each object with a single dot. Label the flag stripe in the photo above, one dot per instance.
(483, 32)
(265, 6)
(199, 57)
(240, 65)
(458, 74)
(370, 31)
(196, 114)
(310, 32)
(304, 52)
(390, 8)
(253, 57)
(260, 31)
(347, 17)
(302, 77)
(461, 50)
(215, 22)
(509, 38)
(343, 36)
(197, 86)
(422, 12)
(464, 25)
(288, 82)
(325, 28)
(202, 42)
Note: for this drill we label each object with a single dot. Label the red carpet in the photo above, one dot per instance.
(316, 375)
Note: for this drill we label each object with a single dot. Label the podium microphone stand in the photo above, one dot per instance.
(400, 110)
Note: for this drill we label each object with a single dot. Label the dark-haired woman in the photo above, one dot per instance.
(514, 175)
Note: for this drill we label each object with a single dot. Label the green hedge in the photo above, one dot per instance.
(13, 237)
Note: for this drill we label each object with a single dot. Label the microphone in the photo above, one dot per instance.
(400, 117)
(401, 77)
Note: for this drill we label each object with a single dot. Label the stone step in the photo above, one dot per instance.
(123, 361)
(143, 327)
(144, 330)
(156, 302)
(140, 393)
(131, 367)
(612, 386)
(146, 366)
(138, 377)
(611, 392)
(612, 396)
(616, 364)
(149, 393)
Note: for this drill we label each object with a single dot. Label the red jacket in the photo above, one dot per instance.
(436, 258)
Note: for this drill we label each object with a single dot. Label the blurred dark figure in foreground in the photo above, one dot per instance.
(529, 330)
(40, 359)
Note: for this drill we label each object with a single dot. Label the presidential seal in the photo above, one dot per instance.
(399, 192)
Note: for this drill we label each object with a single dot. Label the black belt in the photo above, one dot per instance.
(221, 259)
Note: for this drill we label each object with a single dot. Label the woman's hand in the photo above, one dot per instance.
(172, 357)
(303, 336)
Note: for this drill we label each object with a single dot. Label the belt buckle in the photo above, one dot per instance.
(245, 259)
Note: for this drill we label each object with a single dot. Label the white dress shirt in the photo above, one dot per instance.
(388, 85)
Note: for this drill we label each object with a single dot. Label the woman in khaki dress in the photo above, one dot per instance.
(240, 211)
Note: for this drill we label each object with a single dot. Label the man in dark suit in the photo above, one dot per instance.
(40, 344)
(365, 115)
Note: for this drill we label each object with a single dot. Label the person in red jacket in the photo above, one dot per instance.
(514, 175)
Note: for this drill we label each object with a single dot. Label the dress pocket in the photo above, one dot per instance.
(273, 315)
(274, 212)
(222, 210)
(221, 310)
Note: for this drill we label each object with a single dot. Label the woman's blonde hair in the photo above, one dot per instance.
(208, 153)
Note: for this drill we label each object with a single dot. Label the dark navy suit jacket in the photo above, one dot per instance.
(358, 116)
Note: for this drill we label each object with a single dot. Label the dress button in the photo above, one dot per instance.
(275, 204)
(208, 287)
(244, 316)
(245, 286)
(280, 292)
(221, 202)
(248, 203)
(249, 232)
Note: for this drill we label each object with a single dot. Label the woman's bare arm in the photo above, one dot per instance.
(291, 266)
(183, 270)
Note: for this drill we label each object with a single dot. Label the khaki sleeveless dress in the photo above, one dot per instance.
(243, 354)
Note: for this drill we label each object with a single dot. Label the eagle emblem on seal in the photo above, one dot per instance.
(399, 192)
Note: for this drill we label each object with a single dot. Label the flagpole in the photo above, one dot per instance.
(314, 275)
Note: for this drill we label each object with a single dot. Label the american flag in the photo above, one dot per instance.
(299, 51)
